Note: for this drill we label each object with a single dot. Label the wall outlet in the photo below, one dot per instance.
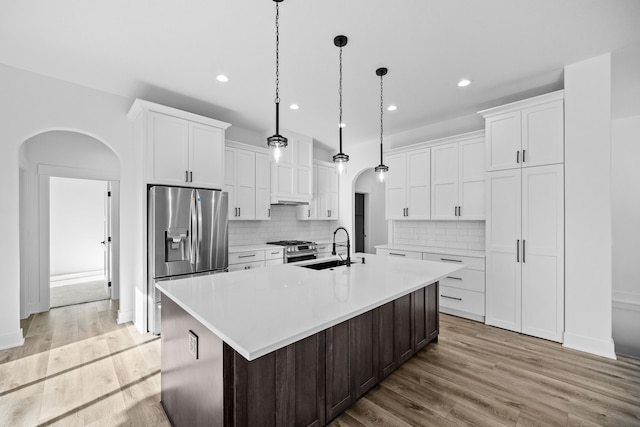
(193, 344)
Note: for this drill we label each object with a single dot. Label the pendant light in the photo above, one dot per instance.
(340, 160)
(277, 142)
(381, 169)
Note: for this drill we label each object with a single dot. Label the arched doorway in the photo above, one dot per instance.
(63, 154)
(370, 227)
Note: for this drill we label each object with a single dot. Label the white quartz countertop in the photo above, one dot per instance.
(434, 250)
(262, 310)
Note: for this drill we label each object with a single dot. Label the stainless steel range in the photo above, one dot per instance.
(297, 250)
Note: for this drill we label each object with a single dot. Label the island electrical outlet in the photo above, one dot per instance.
(193, 344)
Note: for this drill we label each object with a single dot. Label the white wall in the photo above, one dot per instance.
(625, 150)
(77, 219)
(376, 225)
(588, 235)
(33, 104)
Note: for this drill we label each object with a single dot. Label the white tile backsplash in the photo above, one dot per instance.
(283, 225)
(445, 234)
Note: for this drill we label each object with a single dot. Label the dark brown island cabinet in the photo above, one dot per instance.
(307, 383)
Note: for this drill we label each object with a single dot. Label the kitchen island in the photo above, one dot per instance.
(288, 345)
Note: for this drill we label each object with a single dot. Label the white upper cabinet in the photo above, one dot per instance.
(408, 185)
(525, 133)
(458, 178)
(324, 204)
(181, 148)
(247, 180)
(263, 186)
(291, 179)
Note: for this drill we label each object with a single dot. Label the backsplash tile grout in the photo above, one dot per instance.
(284, 224)
(448, 234)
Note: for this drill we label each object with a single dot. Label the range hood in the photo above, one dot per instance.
(289, 199)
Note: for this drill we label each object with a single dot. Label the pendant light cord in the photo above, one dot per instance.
(277, 100)
(340, 96)
(381, 114)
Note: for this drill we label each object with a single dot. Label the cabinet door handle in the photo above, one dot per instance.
(393, 253)
(446, 296)
(523, 160)
(455, 211)
(186, 176)
(518, 156)
(308, 213)
(191, 176)
(329, 213)
(239, 211)
(518, 250)
(454, 278)
(247, 256)
(459, 210)
(407, 211)
(269, 212)
(275, 253)
(450, 260)
(523, 251)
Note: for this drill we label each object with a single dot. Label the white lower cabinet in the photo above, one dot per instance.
(399, 253)
(248, 260)
(324, 250)
(462, 293)
(525, 250)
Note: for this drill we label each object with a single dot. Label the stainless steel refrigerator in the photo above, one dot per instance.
(188, 234)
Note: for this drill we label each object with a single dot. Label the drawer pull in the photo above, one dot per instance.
(454, 278)
(393, 253)
(275, 253)
(457, 299)
(246, 256)
(450, 260)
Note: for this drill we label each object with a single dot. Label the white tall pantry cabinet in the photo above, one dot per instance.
(525, 216)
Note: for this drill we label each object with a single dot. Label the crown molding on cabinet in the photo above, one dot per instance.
(142, 105)
(453, 138)
(519, 105)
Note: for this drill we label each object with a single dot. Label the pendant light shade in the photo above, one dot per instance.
(381, 169)
(277, 142)
(340, 160)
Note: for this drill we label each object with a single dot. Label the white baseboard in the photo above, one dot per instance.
(125, 316)
(13, 339)
(464, 314)
(604, 348)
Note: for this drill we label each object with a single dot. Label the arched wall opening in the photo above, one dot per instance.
(369, 219)
(65, 154)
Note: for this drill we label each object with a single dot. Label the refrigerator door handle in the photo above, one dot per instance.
(199, 234)
(193, 231)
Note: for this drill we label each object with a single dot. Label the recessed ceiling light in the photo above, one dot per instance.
(392, 108)
(294, 106)
(464, 82)
(342, 125)
(222, 78)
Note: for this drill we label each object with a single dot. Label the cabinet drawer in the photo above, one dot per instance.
(241, 257)
(471, 280)
(273, 254)
(246, 266)
(270, 262)
(398, 253)
(462, 300)
(472, 263)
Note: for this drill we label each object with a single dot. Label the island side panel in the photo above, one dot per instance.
(433, 310)
(191, 389)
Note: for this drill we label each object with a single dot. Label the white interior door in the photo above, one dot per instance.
(504, 240)
(543, 252)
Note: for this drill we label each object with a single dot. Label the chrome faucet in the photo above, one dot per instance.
(333, 252)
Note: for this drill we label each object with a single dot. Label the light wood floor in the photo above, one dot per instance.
(78, 367)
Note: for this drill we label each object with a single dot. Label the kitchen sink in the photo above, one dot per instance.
(325, 264)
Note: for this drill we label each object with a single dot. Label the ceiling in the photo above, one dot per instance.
(171, 51)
